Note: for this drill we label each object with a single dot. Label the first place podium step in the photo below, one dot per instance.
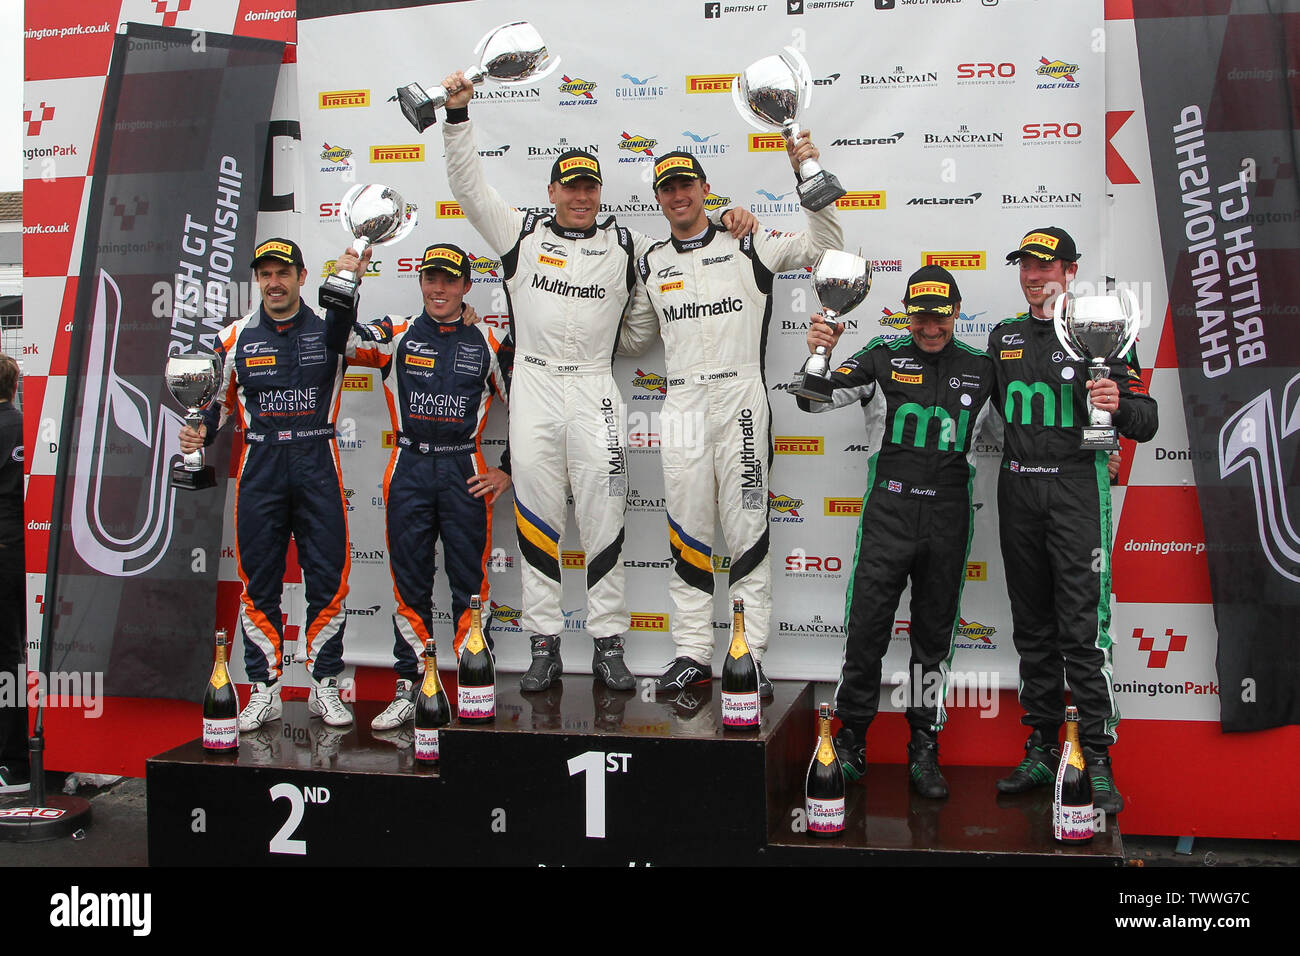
(577, 775)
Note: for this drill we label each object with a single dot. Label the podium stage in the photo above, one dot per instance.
(577, 775)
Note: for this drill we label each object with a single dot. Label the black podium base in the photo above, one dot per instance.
(578, 775)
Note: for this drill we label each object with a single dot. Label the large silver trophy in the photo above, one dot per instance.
(194, 380)
(1097, 329)
(371, 215)
(513, 53)
(841, 281)
(769, 95)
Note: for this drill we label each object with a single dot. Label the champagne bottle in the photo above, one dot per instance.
(1072, 804)
(220, 705)
(740, 706)
(476, 695)
(432, 709)
(824, 791)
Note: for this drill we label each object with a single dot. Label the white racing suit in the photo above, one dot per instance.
(711, 298)
(567, 291)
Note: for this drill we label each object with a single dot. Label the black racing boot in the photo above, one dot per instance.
(923, 765)
(607, 664)
(1036, 770)
(545, 666)
(851, 747)
(1104, 794)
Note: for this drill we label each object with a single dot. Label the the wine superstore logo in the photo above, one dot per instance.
(710, 83)
(799, 445)
(344, 99)
(955, 260)
(580, 91)
(406, 153)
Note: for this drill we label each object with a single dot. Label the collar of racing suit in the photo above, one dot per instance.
(561, 231)
(688, 244)
(440, 326)
(283, 326)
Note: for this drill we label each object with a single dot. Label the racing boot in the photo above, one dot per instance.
(765, 691)
(923, 764)
(546, 665)
(1104, 794)
(323, 702)
(1036, 770)
(263, 707)
(607, 663)
(851, 747)
(400, 711)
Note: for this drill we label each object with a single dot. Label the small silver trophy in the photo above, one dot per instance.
(769, 95)
(841, 281)
(512, 53)
(1097, 329)
(194, 380)
(371, 215)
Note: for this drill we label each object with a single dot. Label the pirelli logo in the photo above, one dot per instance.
(640, 621)
(710, 83)
(551, 261)
(905, 378)
(259, 361)
(448, 209)
(799, 445)
(1041, 239)
(862, 199)
(955, 260)
(843, 507)
(338, 99)
(977, 571)
(410, 153)
(766, 142)
(573, 559)
(918, 289)
(357, 383)
(420, 361)
(1008, 354)
(388, 439)
(579, 162)
(671, 286)
(674, 162)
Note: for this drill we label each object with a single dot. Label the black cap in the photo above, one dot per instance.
(281, 249)
(931, 289)
(574, 163)
(1048, 243)
(677, 164)
(447, 257)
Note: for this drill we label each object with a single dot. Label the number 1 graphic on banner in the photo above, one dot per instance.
(592, 763)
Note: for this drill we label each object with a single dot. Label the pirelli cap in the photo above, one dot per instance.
(677, 164)
(931, 289)
(448, 258)
(574, 163)
(281, 249)
(1048, 243)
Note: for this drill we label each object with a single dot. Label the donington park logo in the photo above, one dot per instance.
(1250, 440)
(117, 412)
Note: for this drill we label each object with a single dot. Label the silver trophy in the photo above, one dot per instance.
(194, 380)
(1097, 329)
(371, 215)
(841, 281)
(769, 95)
(512, 53)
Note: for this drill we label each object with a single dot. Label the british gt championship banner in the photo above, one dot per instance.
(950, 150)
